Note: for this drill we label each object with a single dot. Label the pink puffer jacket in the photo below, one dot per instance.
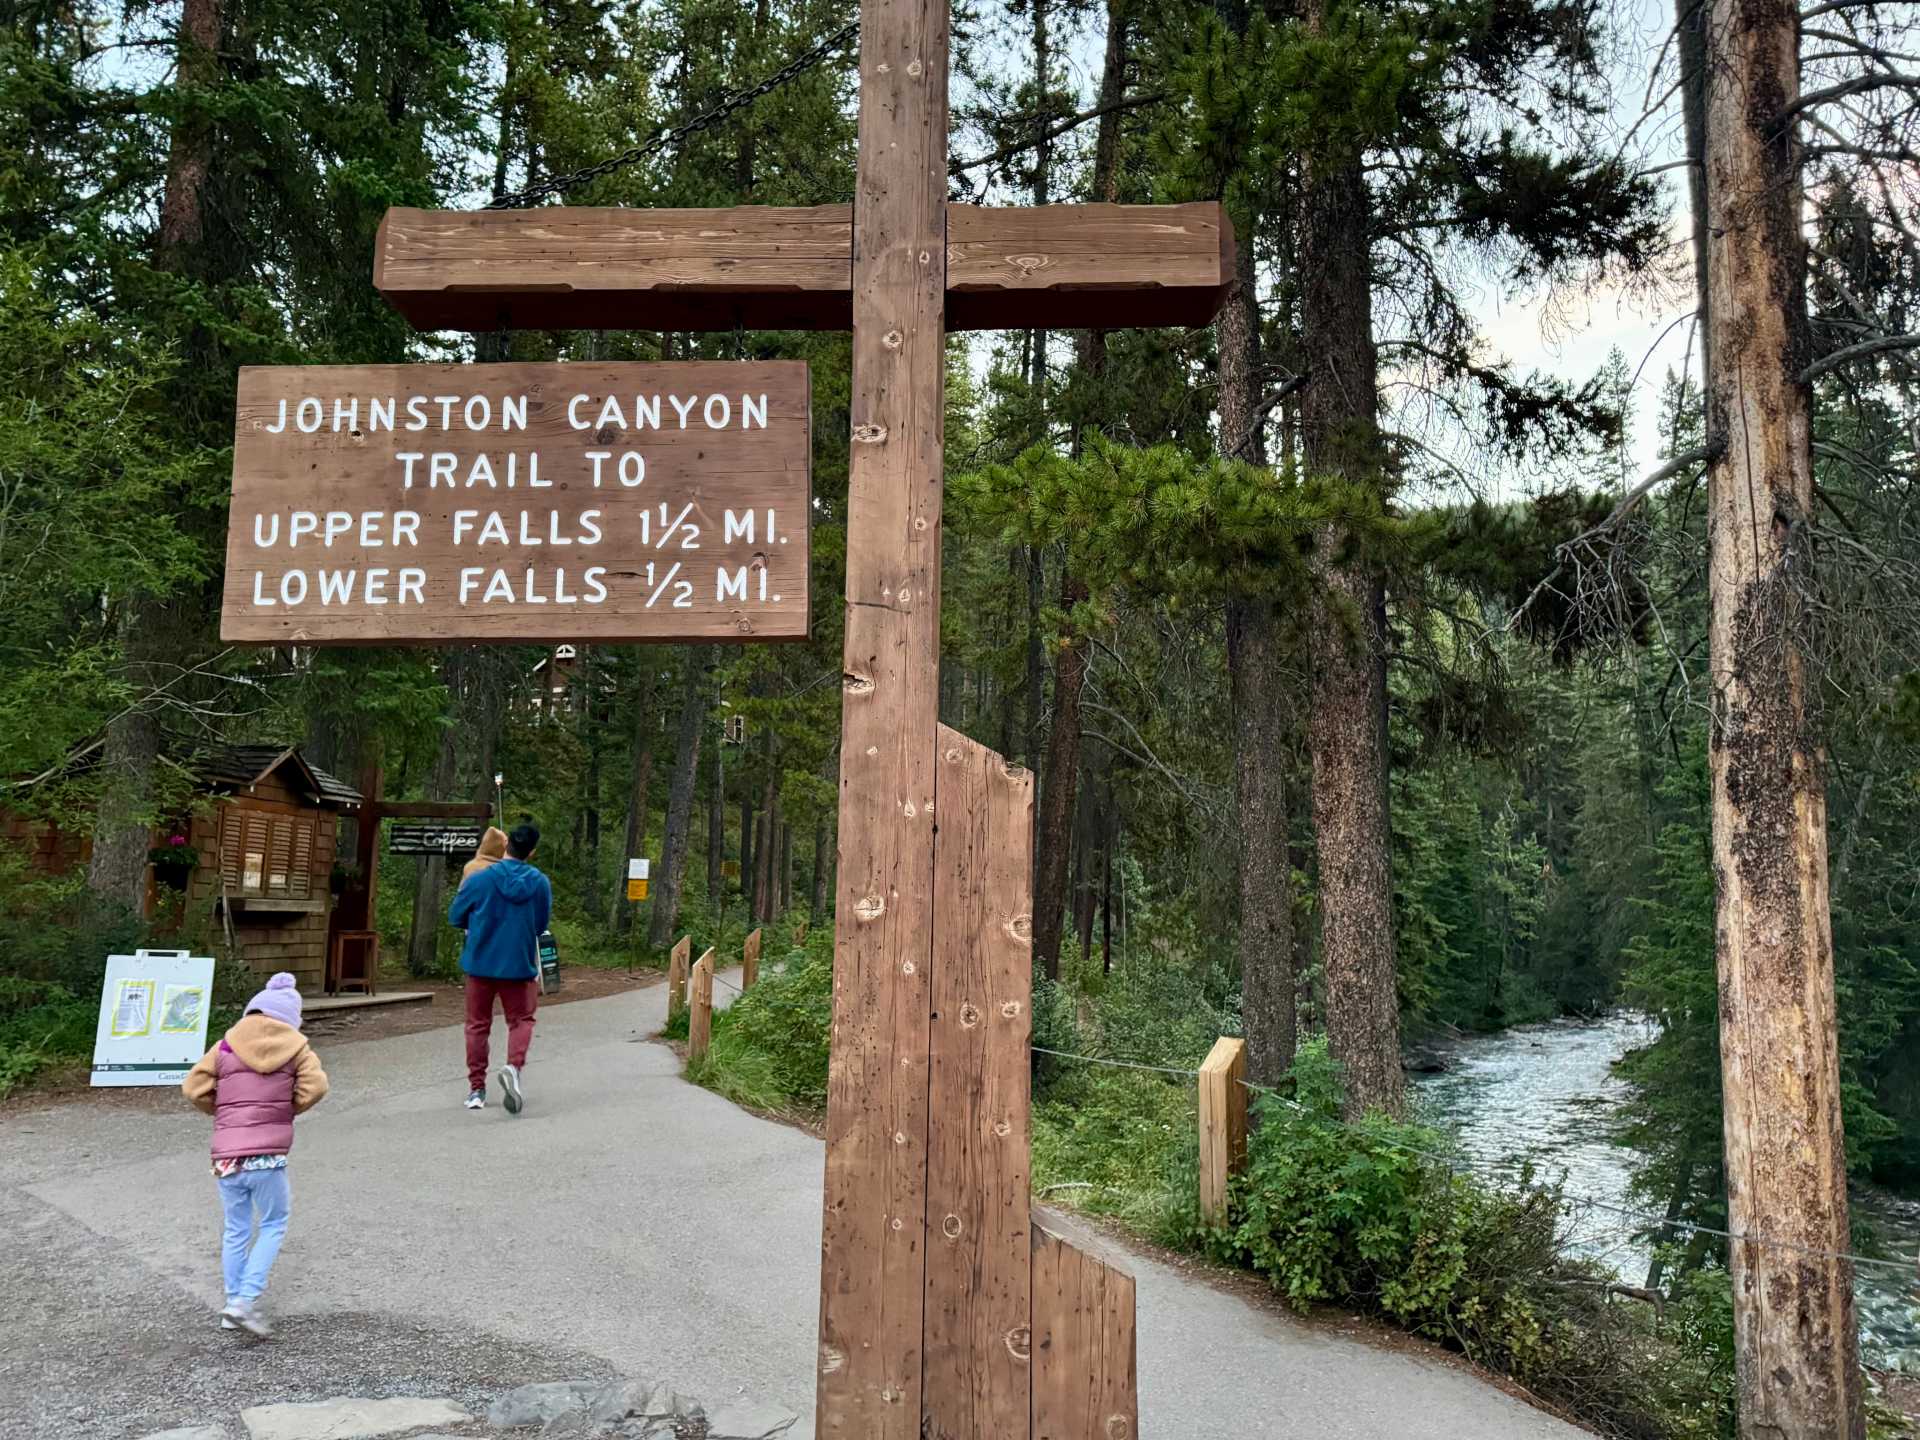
(252, 1113)
(253, 1083)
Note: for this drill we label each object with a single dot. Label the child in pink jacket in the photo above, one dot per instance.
(260, 1075)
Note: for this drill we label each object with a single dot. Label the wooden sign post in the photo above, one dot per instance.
(945, 1311)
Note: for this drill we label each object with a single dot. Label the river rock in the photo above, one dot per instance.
(348, 1418)
(745, 1420)
(593, 1407)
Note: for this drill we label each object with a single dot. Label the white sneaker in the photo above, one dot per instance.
(476, 1100)
(510, 1083)
(246, 1314)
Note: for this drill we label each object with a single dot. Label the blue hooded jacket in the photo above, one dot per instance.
(503, 909)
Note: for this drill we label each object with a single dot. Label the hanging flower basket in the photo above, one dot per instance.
(173, 862)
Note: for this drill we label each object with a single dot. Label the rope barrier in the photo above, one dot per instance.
(1457, 1165)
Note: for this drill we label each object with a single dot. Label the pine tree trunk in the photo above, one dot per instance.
(1796, 1350)
(717, 830)
(123, 822)
(686, 764)
(430, 871)
(640, 773)
(590, 891)
(1053, 836)
(822, 872)
(1347, 717)
(1260, 710)
(785, 896)
(746, 837)
(1254, 663)
(765, 846)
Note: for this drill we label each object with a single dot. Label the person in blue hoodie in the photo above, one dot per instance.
(503, 908)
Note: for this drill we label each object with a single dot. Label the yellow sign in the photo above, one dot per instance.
(636, 889)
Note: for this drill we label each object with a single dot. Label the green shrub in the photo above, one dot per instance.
(1368, 1217)
(769, 1048)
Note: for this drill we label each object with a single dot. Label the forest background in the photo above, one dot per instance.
(1363, 670)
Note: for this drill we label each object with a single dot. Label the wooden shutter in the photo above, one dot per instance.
(300, 881)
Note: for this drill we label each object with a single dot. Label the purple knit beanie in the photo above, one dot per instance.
(279, 1001)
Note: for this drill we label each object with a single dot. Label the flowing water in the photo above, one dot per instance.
(1543, 1093)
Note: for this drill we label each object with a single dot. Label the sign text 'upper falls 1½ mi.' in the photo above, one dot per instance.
(394, 504)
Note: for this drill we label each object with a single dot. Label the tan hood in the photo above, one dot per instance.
(264, 1044)
(493, 846)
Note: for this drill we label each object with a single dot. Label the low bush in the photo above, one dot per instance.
(769, 1047)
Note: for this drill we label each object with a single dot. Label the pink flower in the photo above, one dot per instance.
(178, 840)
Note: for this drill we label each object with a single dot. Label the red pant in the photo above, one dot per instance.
(519, 999)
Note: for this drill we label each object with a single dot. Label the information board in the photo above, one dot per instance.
(430, 839)
(386, 504)
(153, 1017)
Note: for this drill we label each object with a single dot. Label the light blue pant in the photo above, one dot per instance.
(244, 1195)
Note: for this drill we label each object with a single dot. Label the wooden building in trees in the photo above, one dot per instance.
(253, 846)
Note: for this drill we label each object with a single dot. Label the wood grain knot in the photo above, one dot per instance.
(870, 907)
(951, 1227)
(1119, 1427)
(908, 967)
(1003, 1129)
(969, 1016)
(1027, 264)
(1020, 1343)
(869, 434)
(914, 67)
(907, 809)
(893, 339)
(832, 1361)
(1014, 772)
(1020, 927)
(955, 755)
(1010, 1010)
(899, 1137)
(855, 684)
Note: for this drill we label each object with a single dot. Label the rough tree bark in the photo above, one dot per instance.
(640, 777)
(822, 872)
(686, 765)
(1255, 665)
(717, 828)
(1346, 718)
(430, 871)
(1060, 775)
(1797, 1357)
(123, 822)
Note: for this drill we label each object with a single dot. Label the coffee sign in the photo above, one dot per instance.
(392, 504)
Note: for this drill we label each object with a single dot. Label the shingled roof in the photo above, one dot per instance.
(238, 767)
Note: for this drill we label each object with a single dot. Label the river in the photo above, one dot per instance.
(1544, 1092)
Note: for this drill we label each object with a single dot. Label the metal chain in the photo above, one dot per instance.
(666, 138)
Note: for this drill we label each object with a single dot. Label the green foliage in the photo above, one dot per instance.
(1364, 1217)
(769, 1047)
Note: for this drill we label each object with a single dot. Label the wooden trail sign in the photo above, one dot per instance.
(946, 1311)
(388, 504)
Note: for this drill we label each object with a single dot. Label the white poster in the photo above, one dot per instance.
(637, 869)
(153, 1017)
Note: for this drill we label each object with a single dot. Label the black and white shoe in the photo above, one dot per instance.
(510, 1085)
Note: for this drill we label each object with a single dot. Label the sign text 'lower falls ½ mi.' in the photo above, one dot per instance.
(426, 503)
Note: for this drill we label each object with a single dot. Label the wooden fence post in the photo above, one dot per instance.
(677, 977)
(700, 1016)
(749, 961)
(1223, 1124)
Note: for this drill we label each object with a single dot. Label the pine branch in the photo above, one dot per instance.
(1701, 455)
(1072, 122)
(1851, 353)
(1856, 86)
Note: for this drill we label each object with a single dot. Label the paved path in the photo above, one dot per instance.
(626, 1222)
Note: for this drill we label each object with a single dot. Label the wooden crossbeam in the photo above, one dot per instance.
(784, 268)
